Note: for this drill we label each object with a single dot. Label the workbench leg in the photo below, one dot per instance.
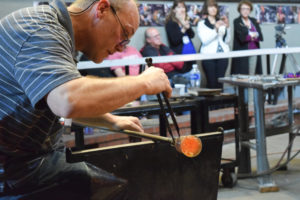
(195, 121)
(266, 183)
(162, 126)
(291, 118)
(244, 155)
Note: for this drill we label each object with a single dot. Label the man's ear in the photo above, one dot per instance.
(102, 7)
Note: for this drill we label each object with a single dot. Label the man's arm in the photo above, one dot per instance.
(92, 97)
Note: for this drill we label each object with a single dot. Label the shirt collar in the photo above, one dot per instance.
(65, 20)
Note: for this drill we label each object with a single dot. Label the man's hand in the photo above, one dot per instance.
(127, 123)
(156, 81)
(111, 121)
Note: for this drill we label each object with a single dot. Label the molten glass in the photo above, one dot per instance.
(190, 146)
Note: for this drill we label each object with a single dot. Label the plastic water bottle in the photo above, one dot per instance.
(195, 76)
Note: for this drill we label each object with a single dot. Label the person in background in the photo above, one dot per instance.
(179, 31)
(40, 84)
(247, 35)
(214, 34)
(128, 53)
(155, 47)
(281, 16)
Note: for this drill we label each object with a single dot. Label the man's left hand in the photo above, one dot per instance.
(127, 123)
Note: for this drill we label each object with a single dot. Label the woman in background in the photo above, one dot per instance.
(247, 35)
(179, 31)
(214, 34)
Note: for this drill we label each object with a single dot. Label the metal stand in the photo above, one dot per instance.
(291, 118)
(266, 183)
(283, 61)
(245, 161)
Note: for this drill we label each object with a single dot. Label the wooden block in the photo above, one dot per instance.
(269, 189)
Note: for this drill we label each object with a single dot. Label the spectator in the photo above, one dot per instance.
(155, 47)
(280, 15)
(247, 35)
(128, 53)
(214, 34)
(179, 31)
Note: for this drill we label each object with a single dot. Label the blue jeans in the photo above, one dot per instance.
(53, 178)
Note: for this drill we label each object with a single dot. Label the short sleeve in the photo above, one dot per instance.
(44, 62)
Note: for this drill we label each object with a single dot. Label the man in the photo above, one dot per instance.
(40, 84)
(155, 47)
(177, 72)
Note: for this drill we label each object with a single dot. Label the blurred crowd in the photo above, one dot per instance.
(214, 32)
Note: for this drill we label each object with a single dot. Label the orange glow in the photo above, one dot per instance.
(191, 146)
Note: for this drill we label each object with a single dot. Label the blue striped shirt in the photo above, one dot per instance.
(36, 55)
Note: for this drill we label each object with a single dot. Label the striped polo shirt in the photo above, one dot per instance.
(36, 55)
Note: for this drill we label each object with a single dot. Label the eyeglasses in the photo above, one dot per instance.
(156, 36)
(125, 42)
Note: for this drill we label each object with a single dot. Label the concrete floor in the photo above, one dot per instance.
(287, 181)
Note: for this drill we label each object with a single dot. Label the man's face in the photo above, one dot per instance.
(111, 32)
(154, 38)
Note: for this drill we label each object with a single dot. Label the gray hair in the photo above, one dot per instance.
(147, 34)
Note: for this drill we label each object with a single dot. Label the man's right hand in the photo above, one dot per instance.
(156, 81)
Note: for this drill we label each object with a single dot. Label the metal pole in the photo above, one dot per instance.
(291, 117)
(244, 158)
(265, 182)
